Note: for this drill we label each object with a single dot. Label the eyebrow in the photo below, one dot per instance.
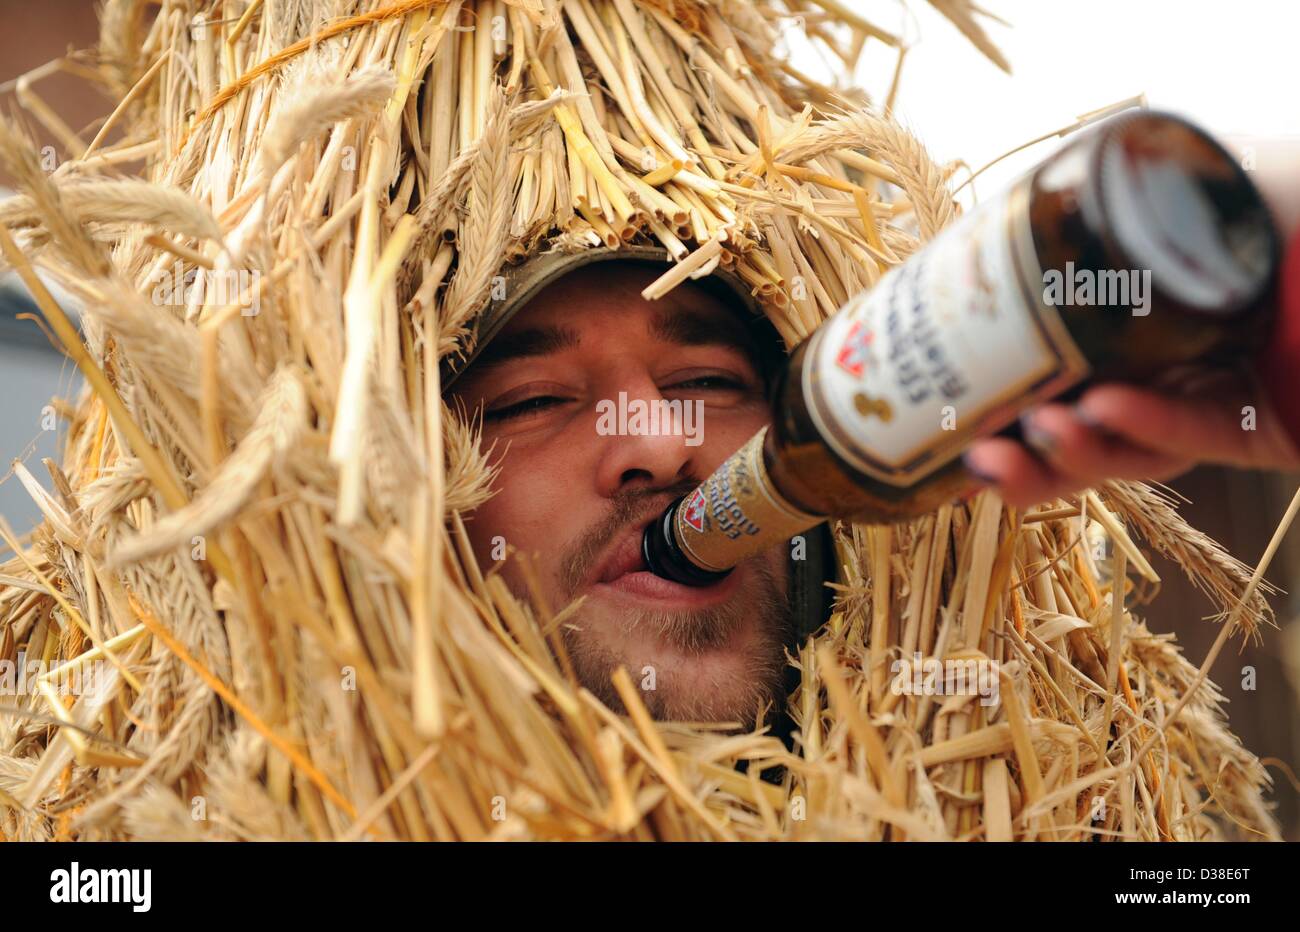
(533, 341)
(690, 328)
(679, 327)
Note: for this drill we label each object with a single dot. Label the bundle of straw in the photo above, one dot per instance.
(257, 529)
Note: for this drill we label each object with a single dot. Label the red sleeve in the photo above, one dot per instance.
(1279, 362)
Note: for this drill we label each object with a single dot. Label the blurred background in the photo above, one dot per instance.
(1231, 67)
(32, 372)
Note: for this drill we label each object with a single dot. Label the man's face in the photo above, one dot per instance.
(577, 497)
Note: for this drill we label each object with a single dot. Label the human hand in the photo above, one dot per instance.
(1119, 431)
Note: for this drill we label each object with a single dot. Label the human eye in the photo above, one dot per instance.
(518, 409)
(711, 382)
(525, 402)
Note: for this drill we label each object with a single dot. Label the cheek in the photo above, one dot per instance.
(532, 509)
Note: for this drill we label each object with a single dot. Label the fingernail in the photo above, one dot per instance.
(1088, 420)
(975, 471)
(1084, 417)
(1035, 436)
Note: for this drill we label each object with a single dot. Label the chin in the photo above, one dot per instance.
(715, 662)
(741, 708)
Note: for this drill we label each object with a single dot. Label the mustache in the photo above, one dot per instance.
(627, 509)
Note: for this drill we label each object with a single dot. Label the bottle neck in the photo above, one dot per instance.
(734, 514)
(664, 556)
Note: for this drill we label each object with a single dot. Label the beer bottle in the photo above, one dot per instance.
(1137, 251)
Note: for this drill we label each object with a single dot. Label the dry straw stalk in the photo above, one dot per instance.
(309, 645)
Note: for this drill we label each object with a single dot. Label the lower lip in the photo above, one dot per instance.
(645, 586)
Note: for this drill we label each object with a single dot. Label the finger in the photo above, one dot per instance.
(1018, 476)
(1088, 455)
(1223, 429)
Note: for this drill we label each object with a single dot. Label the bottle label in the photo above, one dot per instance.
(949, 346)
(736, 512)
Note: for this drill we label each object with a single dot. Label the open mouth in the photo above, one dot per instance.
(624, 575)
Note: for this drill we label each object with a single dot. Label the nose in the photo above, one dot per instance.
(649, 460)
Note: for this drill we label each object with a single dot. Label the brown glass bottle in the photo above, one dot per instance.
(1136, 251)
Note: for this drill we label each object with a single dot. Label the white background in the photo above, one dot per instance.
(1233, 67)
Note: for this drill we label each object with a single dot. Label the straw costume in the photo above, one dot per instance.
(257, 530)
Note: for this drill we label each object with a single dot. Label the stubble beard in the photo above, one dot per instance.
(742, 693)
